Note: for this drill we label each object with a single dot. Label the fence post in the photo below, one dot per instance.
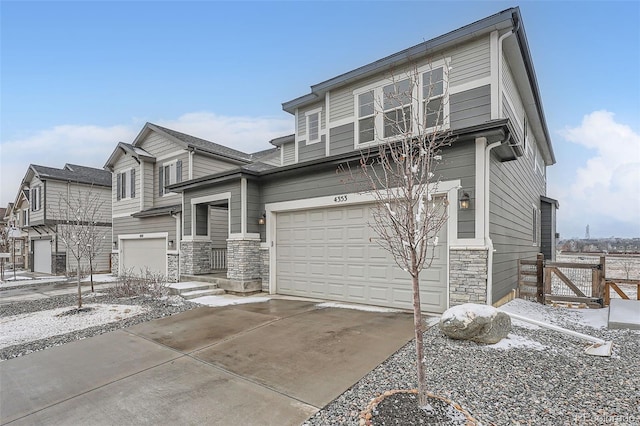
(540, 277)
(598, 280)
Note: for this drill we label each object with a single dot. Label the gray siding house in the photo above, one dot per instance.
(39, 210)
(294, 227)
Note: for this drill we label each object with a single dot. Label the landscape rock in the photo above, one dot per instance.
(479, 323)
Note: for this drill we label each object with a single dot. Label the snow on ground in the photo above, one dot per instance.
(593, 318)
(356, 307)
(17, 329)
(515, 341)
(227, 300)
(24, 280)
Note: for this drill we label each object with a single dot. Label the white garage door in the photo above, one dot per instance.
(327, 254)
(144, 254)
(42, 256)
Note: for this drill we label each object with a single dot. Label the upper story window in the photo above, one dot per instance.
(35, 198)
(126, 184)
(313, 125)
(535, 225)
(168, 174)
(25, 217)
(409, 102)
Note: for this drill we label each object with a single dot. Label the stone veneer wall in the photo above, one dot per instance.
(264, 253)
(244, 260)
(196, 257)
(467, 276)
(173, 271)
(115, 259)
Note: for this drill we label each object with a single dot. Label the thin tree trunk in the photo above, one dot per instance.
(91, 271)
(417, 325)
(79, 287)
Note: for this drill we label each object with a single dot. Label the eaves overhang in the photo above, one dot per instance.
(498, 21)
(159, 211)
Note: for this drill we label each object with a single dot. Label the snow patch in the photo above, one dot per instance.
(515, 341)
(23, 328)
(355, 307)
(228, 300)
(466, 312)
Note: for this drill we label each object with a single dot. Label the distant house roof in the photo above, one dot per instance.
(70, 173)
(282, 140)
(3, 212)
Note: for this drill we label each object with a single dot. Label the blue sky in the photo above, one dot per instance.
(77, 77)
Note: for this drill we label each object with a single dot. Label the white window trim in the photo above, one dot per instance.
(34, 194)
(416, 104)
(173, 163)
(308, 115)
(126, 182)
(536, 224)
(206, 199)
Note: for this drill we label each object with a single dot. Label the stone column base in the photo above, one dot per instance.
(244, 260)
(467, 276)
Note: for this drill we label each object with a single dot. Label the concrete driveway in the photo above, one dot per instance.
(268, 363)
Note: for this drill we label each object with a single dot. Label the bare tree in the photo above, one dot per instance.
(80, 219)
(400, 171)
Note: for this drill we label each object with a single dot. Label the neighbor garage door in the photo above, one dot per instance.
(42, 256)
(327, 254)
(144, 254)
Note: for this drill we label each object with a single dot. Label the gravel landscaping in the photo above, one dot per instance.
(537, 377)
(153, 309)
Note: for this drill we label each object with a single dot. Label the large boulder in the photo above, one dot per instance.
(479, 323)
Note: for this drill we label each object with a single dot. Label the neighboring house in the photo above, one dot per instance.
(40, 210)
(147, 218)
(298, 229)
(18, 239)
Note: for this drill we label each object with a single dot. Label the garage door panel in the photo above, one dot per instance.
(145, 254)
(42, 256)
(338, 261)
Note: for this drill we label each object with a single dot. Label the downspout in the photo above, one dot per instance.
(487, 238)
(487, 159)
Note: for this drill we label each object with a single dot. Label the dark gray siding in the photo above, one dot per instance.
(234, 203)
(515, 190)
(508, 112)
(288, 153)
(548, 230)
(313, 151)
(458, 163)
(254, 208)
(470, 107)
(341, 139)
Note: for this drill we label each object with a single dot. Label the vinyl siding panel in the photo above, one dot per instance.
(58, 192)
(234, 204)
(254, 207)
(342, 139)
(470, 61)
(470, 107)
(128, 205)
(37, 217)
(515, 189)
(342, 104)
(148, 184)
(159, 145)
(312, 151)
(458, 163)
(146, 225)
(219, 226)
(507, 112)
(510, 92)
(102, 260)
(288, 153)
(203, 166)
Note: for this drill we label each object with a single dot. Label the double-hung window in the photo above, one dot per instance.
(35, 198)
(399, 107)
(313, 125)
(397, 99)
(169, 173)
(433, 98)
(126, 184)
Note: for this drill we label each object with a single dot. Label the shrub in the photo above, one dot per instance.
(149, 284)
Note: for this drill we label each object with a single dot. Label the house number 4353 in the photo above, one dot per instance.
(340, 199)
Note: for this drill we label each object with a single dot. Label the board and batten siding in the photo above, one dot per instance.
(146, 225)
(515, 189)
(234, 204)
(127, 205)
(470, 107)
(288, 153)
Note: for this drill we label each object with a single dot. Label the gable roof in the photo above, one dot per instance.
(196, 143)
(69, 173)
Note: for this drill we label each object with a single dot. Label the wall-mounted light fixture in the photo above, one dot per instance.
(115, 245)
(465, 201)
(262, 219)
(170, 243)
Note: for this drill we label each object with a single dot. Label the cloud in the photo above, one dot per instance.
(91, 145)
(607, 186)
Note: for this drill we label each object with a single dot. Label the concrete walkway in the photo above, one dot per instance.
(268, 363)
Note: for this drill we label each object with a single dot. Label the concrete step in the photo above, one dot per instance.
(200, 293)
(184, 287)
